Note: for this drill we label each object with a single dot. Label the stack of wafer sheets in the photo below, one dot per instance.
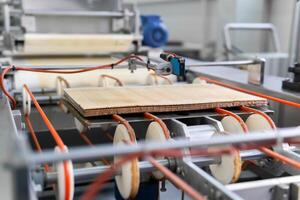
(90, 102)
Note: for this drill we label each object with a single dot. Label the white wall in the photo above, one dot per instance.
(201, 22)
(282, 17)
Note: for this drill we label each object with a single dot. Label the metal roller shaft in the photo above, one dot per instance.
(89, 173)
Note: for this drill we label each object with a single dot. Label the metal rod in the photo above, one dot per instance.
(224, 63)
(6, 18)
(88, 174)
(36, 91)
(44, 98)
(206, 184)
(78, 13)
(98, 151)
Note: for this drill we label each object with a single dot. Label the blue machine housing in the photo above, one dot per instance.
(154, 31)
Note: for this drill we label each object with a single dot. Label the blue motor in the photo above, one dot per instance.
(154, 31)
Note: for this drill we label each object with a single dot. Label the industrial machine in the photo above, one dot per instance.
(205, 164)
(82, 116)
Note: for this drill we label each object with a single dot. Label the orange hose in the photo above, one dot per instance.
(120, 83)
(98, 183)
(267, 151)
(166, 78)
(80, 70)
(85, 139)
(34, 138)
(270, 121)
(160, 122)
(49, 125)
(109, 136)
(32, 133)
(10, 68)
(129, 128)
(6, 93)
(56, 137)
(163, 77)
(280, 157)
(89, 142)
(263, 149)
(176, 180)
(286, 102)
(238, 118)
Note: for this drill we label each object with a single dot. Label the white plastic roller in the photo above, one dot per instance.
(155, 133)
(153, 79)
(61, 184)
(26, 99)
(228, 171)
(199, 81)
(258, 123)
(107, 82)
(231, 125)
(129, 180)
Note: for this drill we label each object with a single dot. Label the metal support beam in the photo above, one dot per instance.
(205, 183)
(98, 151)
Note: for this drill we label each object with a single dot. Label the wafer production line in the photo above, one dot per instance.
(93, 105)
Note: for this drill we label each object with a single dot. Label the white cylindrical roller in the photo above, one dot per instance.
(156, 133)
(26, 99)
(107, 82)
(60, 44)
(153, 79)
(258, 123)
(229, 170)
(231, 125)
(199, 81)
(62, 177)
(129, 180)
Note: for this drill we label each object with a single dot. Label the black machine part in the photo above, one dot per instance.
(293, 84)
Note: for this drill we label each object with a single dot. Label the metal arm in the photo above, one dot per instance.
(250, 26)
